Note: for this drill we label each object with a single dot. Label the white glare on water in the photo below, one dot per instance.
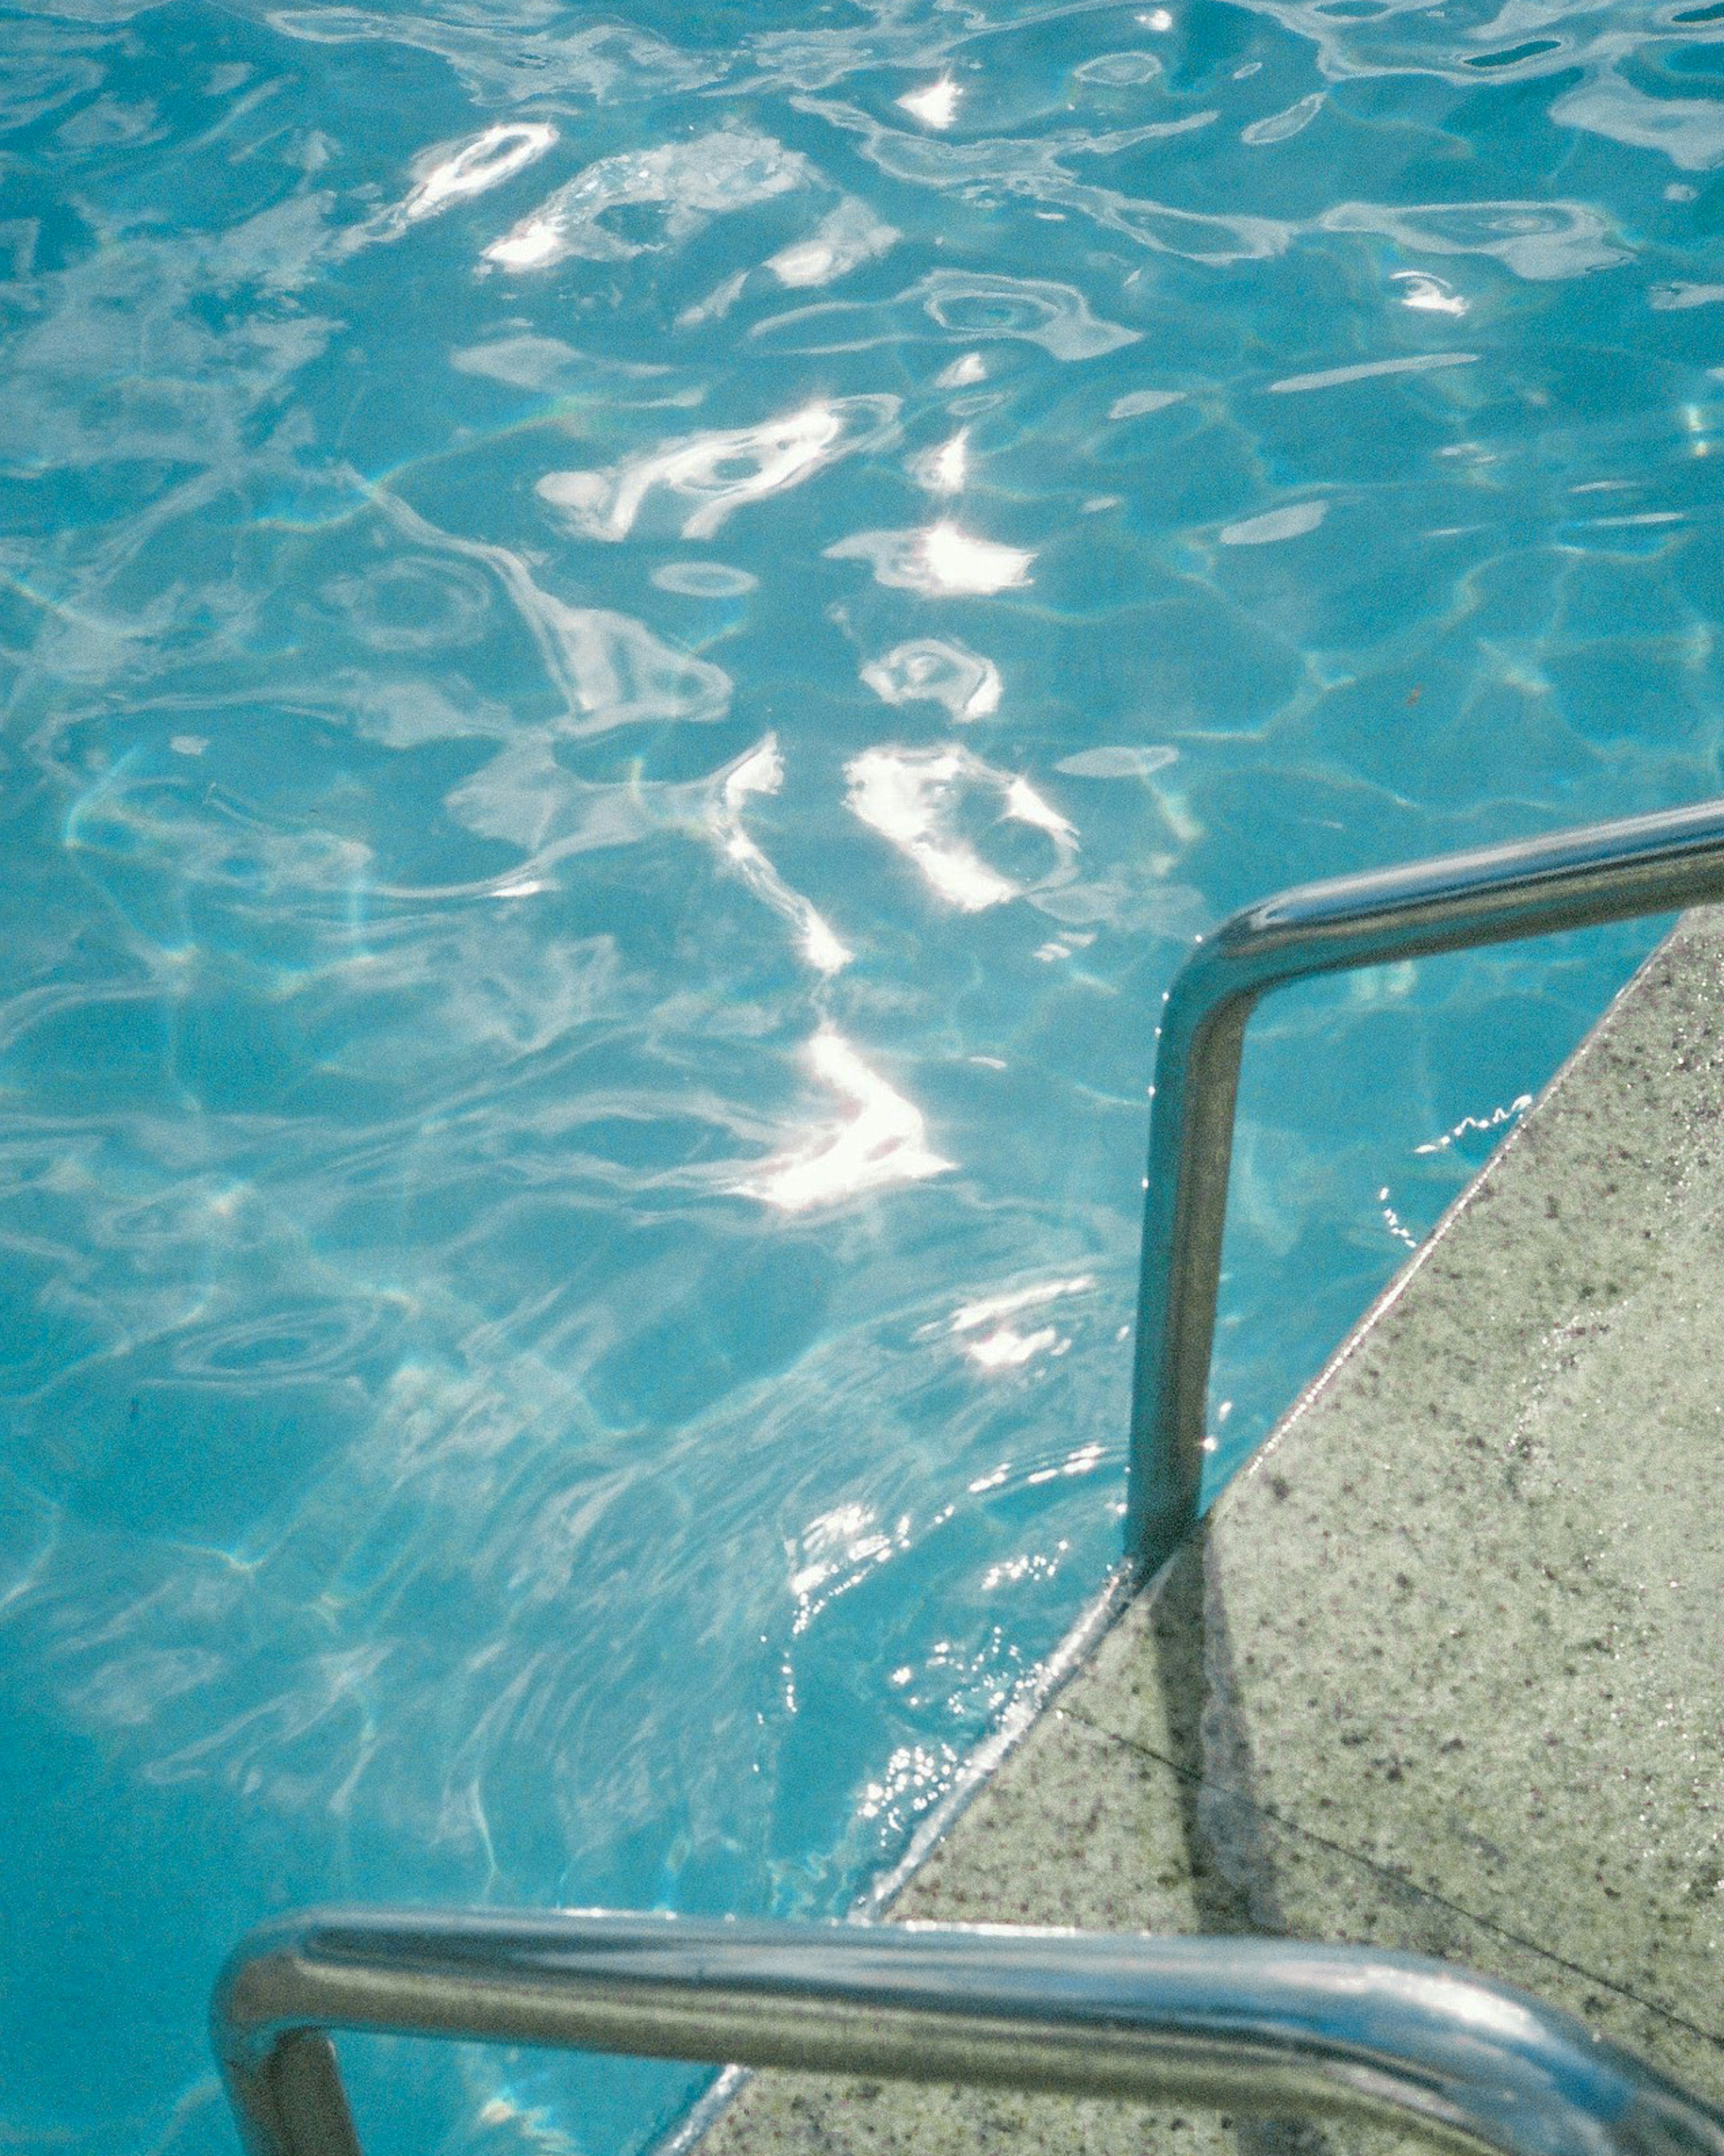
(935, 105)
(882, 1139)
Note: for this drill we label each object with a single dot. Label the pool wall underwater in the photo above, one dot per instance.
(631, 647)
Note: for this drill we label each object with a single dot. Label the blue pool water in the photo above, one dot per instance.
(632, 644)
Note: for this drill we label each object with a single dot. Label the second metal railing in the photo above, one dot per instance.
(1254, 2026)
(1646, 865)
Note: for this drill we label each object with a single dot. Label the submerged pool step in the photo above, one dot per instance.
(1445, 1670)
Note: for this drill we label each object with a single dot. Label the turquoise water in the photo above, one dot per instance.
(632, 645)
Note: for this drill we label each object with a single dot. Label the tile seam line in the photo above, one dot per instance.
(1394, 1878)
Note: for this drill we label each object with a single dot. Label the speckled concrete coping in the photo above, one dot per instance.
(1444, 1671)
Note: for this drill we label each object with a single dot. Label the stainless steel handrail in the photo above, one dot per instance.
(1575, 879)
(1254, 2026)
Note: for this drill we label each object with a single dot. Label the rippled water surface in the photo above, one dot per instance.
(631, 645)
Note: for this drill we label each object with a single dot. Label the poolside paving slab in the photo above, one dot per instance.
(1444, 1670)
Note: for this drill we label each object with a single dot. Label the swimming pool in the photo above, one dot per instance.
(633, 646)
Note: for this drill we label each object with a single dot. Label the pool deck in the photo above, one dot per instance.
(1443, 1671)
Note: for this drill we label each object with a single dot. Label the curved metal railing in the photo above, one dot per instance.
(1573, 879)
(1254, 2026)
